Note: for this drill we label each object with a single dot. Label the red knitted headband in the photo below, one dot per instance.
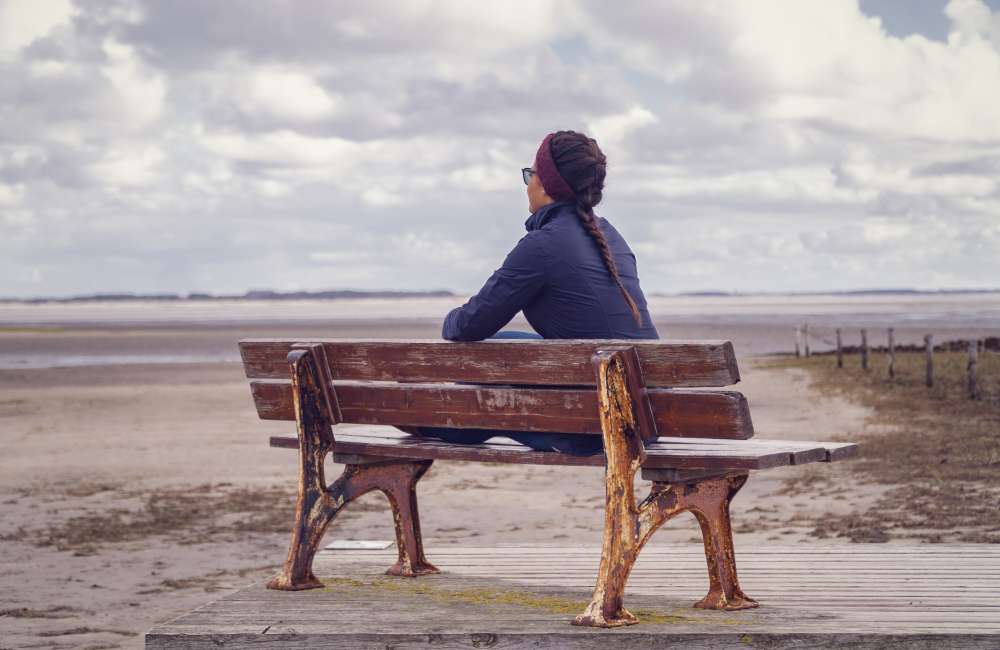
(552, 182)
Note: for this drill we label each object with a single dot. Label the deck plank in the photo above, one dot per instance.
(864, 596)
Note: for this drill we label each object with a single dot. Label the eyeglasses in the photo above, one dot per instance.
(526, 174)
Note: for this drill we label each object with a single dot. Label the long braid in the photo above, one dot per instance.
(589, 222)
(583, 165)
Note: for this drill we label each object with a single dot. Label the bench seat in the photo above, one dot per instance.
(665, 452)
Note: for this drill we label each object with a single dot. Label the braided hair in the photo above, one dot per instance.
(583, 166)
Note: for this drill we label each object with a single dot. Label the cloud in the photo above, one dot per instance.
(289, 95)
(972, 20)
(141, 91)
(175, 146)
(21, 23)
(11, 195)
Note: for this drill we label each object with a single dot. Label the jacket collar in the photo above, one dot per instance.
(543, 215)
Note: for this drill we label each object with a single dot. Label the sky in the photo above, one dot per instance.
(796, 145)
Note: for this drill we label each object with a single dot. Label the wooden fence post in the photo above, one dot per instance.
(864, 349)
(971, 369)
(798, 341)
(929, 350)
(840, 351)
(892, 355)
(806, 332)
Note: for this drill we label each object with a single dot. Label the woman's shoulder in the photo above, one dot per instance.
(615, 238)
(606, 225)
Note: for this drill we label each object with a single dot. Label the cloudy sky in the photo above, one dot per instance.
(224, 146)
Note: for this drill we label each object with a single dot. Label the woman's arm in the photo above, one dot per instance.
(505, 293)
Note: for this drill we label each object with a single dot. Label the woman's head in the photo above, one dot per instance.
(570, 166)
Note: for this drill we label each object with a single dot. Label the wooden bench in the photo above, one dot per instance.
(651, 400)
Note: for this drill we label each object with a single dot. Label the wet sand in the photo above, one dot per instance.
(131, 493)
(48, 345)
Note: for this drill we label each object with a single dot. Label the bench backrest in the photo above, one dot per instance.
(409, 382)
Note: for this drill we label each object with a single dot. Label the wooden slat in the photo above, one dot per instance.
(812, 595)
(733, 456)
(840, 450)
(799, 453)
(790, 447)
(889, 555)
(794, 450)
(687, 413)
(503, 361)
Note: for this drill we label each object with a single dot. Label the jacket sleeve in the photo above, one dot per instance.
(505, 293)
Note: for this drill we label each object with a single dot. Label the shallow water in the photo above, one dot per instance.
(968, 309)
(139, 332)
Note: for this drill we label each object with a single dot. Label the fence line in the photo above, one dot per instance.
(929, 351)
(971, 370)
(974, 348)
(892, 356)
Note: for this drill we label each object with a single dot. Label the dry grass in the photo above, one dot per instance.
(185, 516)
(51, 612)
(938, 450)
(217, 512)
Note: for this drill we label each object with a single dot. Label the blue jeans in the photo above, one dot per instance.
(569, 443)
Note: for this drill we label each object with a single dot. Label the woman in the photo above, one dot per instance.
(573, 276)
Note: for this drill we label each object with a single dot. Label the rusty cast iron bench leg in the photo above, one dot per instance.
(318, 504)
(709, 503)
(628, 526)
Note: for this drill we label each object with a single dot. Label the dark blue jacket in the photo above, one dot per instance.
(555, 274)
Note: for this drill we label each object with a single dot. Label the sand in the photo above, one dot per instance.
(133, 493)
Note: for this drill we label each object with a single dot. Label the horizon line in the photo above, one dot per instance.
(340, 294)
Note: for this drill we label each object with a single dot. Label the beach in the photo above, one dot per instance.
(795, 183)
(136, 482)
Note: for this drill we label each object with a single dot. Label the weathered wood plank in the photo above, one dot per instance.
(702, 414)
(549, 362)
(643, 640)
(657, 454)
(348, 600)
(360, 609)
(830, 597)
(800, 452)
(850, 550)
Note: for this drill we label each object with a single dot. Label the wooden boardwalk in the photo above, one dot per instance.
(865, 596)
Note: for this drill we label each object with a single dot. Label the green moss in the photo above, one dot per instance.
(329, 584)
(659, 618)
(483, 596)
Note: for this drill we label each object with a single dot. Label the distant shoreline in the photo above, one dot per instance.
(339, 294)
(353, 294)
(843, 292)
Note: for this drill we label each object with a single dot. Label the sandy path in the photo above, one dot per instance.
(108, 525)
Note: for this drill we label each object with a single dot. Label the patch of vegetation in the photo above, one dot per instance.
(210, 582)
(488, 596)
(936, 449)
(87, 630)
(51, 612)
(189, 516)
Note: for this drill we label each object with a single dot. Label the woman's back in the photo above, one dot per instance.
(580, 299)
